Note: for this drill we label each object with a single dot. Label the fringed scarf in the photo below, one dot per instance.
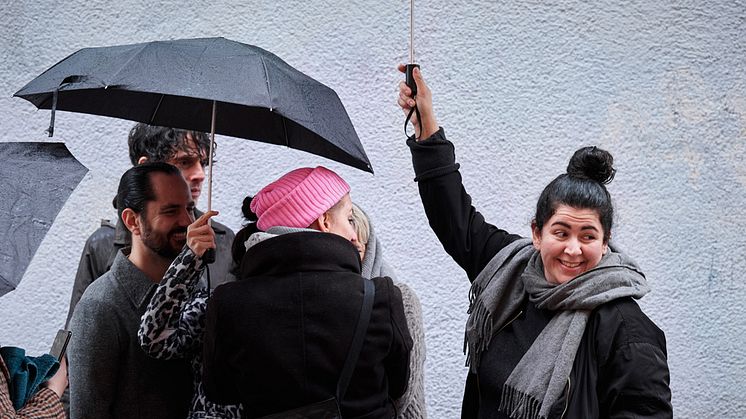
(539, 378)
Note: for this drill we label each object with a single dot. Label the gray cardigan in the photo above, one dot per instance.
(110, 375)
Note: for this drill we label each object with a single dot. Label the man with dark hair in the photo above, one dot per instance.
(110, 376)
(188, 151)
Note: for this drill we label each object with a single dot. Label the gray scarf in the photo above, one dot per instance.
(373, 263)
(275, 231)
(496, 295)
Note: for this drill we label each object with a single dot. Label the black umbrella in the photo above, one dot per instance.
(37, 179)
(181, 83)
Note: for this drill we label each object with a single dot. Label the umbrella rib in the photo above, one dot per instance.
(269, 94)
(157, 107)
(269, 87)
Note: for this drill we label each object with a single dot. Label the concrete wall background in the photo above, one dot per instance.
(518, 87)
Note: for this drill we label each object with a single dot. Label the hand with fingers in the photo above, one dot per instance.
(200, 235)
(58, 382)
(424, 102)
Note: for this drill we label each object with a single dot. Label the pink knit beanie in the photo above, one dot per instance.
(298, 198)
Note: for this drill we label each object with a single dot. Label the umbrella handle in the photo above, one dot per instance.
(409, 80)
(209, 256)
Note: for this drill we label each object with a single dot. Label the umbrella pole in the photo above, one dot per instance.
(209, 255)
(409, 69)
(209, 164)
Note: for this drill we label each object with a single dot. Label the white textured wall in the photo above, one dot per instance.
(519, 86)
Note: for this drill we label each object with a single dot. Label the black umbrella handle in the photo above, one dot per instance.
(209, 256)
(409, 80)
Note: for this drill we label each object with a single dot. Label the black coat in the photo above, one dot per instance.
(620, 369)
(277, 338)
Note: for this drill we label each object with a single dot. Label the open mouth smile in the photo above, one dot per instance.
(179, 236)
(570, 265)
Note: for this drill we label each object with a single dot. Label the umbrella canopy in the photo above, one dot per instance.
(37, 179)
(257, 95)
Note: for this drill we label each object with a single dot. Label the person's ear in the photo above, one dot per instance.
(536, 235)
(605, 247)
(324, 222)
(142, 160)
(131, 220)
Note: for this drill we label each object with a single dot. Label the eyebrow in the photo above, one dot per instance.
(168, 207)
(567, 226)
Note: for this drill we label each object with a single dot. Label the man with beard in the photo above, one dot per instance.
(187, 150)
(110, 376)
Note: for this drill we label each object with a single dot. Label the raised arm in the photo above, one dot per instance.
(174, 321)
(461, 229)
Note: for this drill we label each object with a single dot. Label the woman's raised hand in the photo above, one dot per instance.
(424, 102)
(200, 235)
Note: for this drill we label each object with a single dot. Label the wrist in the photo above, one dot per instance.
(428, 129)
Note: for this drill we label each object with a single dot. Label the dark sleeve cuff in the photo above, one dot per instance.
(433, 157)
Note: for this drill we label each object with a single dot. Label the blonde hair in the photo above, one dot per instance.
(362, 225)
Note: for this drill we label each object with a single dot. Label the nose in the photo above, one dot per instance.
(572, 247)
(194, 173)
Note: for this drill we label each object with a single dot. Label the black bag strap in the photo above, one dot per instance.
(357, 341)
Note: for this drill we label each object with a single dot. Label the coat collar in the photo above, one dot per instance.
(301, 252)
(134, 283)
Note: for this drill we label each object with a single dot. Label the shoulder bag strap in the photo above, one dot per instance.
(357, 341)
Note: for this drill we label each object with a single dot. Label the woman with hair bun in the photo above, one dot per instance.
(553, 329)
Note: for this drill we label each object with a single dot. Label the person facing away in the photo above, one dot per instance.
(277, 338)
(412, 403)
(110, 375)
(188, 151)
(553, 329)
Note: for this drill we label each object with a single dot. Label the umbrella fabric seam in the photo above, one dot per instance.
(126, 63)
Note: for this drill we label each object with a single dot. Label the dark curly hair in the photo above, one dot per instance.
(583, 186)
(159, 144)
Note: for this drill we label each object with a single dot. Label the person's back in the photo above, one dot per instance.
(279, 336)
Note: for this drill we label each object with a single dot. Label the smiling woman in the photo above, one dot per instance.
(553, 328)
(574, 215)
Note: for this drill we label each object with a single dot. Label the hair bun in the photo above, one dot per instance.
(592, 163)
(248, 214)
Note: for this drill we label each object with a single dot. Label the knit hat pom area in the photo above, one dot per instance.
(298, 198)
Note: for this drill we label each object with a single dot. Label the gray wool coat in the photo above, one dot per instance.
(110, 375)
